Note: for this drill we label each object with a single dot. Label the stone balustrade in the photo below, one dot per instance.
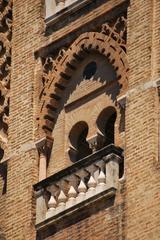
(95, 176)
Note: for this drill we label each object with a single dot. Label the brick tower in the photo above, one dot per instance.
(79, 117)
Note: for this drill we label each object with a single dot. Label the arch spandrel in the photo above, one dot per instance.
(67, 64)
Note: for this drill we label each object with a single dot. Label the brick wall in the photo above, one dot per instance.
(23, 162)
(2, 216)
(139, 219)
(142, 173)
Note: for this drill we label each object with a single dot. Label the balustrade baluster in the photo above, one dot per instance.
(101, 182)
(71, 197)
(82, 191)
(51, 207)
(92, 185)
(61, 201)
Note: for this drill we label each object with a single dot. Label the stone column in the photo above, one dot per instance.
(43, 147)
(42, 166)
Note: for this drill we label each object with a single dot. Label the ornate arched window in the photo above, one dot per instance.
(89, 76)
(86, 78)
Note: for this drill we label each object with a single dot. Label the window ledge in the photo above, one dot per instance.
(65, 12)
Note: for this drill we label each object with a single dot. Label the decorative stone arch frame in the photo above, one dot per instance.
(5, 74)
(65, 67)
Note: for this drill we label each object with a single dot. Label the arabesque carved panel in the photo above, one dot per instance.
(5, 70)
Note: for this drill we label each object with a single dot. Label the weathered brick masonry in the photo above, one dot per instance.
(142, 163)
(49, 94)
(22, 163)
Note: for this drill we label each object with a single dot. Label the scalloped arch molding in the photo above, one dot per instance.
(68, 63)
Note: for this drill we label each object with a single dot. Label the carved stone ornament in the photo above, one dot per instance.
(5, 70)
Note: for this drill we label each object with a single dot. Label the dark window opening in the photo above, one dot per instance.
(121, 169)
(106, 127)
(79, 146)
(109, 129)
(90, 70)
(1, 153)
(82, 145)
(3, 178)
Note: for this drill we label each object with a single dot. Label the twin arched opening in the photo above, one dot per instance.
(80, 147)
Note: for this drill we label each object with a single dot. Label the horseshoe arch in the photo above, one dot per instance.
(68, 63)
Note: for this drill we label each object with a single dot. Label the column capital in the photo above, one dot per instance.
(44, 146)
(112, 157)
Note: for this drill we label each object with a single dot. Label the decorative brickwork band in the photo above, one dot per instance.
(5, 65)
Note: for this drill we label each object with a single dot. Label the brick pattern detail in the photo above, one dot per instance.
(5, 77)
(23, 157)
(134, 214)
(5, 72)
(142, 173)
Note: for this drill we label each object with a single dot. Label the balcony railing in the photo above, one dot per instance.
(93, 178)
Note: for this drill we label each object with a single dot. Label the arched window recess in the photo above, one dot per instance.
(106, 132)
(106, 127)
(79, 147)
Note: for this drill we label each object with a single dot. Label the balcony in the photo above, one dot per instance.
(78, 187)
